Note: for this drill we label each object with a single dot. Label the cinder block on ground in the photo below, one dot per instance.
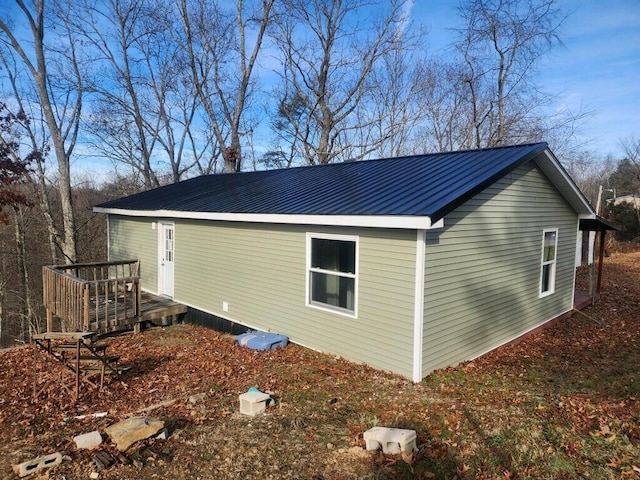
(88, 440)
(392, 440)
(253, 403)
(37, 464)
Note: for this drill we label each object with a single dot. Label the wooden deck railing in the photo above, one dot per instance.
(92, 296)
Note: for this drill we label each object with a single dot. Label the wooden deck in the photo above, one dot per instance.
(156, 308)
(110, 314)
(102, 297)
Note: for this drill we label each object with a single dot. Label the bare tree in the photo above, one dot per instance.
(14, 180)
(589, 172)
(145, 113)
(118, 118)
(330, 49)
(397, 84)
(631, 148)
(223, 47)
(446, 120)
(59, 96)
(500, 45)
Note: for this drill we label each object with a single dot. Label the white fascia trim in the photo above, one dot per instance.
(379, 221)
(418, 314)
(554, 163)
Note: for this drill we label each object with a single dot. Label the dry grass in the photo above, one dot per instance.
(561, 404)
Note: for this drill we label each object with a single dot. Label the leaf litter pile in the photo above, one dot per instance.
(563, 403)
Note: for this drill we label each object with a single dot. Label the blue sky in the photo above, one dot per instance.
(597, 69)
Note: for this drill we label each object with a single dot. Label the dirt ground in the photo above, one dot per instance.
(564, 403)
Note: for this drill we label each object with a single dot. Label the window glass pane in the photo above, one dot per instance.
(333, 290)
(549, 253)
(333, 255)
(546, 278)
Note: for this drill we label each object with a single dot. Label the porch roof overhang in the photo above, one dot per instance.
(601, 225)
(597, 224)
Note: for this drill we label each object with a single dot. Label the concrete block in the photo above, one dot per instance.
(88, 441)
(37, 464)
(392, 440)
(253, 403)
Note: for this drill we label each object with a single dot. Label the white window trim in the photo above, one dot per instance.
(553, 263)
(308, 270)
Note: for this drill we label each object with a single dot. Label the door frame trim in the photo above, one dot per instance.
(161, 227)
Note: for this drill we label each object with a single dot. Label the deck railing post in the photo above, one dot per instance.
(86, 309)
(138, 298)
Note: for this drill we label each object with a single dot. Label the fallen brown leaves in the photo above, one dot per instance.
(563, 403)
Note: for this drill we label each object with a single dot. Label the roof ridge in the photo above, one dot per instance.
(383, 159)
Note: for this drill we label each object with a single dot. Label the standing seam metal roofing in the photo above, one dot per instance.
(419, 185)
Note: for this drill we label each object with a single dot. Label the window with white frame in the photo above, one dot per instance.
(549, 254)
(332, 272)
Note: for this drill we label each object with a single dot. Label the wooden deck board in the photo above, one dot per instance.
(153, 307)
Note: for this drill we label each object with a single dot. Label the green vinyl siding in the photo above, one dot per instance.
(482, 270)
(136, 238)
(259, 271)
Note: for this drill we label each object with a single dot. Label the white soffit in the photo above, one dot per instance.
(376, 221)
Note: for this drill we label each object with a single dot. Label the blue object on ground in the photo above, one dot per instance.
(262, 340)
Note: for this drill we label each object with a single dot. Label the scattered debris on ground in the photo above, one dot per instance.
(564, 403)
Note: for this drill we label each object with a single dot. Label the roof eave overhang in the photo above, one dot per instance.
(544, 158)
(551, 167)
(472, 192)
(407, 222)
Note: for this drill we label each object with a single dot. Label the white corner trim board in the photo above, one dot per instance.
(418, 314)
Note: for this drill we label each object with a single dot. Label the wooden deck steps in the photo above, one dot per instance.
(80, 356)
(69, 347)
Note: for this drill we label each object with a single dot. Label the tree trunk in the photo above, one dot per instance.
(3, 286)
(26, 307)
(68, 244)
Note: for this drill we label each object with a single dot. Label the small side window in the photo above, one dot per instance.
(549, 254)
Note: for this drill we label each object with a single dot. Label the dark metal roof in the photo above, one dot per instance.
(420, 185)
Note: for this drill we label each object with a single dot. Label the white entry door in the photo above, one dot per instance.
(166, 258)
